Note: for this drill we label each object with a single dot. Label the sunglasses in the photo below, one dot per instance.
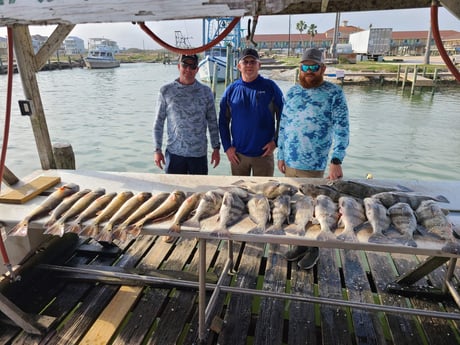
(190, 66)
(313, 68)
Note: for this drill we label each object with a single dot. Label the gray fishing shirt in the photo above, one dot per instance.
(313, 123)
(189, 110)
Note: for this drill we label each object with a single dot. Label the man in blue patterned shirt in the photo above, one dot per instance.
(314, 125)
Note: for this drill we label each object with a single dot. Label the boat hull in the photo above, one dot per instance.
(206, 71)
(100, 64)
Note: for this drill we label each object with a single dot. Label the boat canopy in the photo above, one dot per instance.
(36, 12)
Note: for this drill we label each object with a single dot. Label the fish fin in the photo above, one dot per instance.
(347, 236)
(192, 222)
(104, 237)
(326, 235)
(275, 230)
(379, 238)
(20, 229)
(49, 223)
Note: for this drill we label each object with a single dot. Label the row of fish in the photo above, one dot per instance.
(274, 208)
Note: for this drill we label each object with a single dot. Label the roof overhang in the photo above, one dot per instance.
(35, 12)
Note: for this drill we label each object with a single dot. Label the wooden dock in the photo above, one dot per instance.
(93, 312)
(146, 291)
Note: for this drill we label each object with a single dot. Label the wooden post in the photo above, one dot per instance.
(398, 74)
(64, 156)
(8, 176)
(214, 80)
(414, 80)
(435, 79)
(406, 71)
(28, 68)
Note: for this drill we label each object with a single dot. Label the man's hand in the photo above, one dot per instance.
(232, 157)
(215, 157)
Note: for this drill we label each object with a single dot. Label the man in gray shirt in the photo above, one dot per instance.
(189, 110)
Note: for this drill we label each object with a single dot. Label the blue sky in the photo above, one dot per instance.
(128, 35)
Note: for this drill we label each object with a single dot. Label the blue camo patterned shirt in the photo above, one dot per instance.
(313, 122)
(189, 110)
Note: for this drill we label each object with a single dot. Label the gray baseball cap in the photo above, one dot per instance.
(312, 54)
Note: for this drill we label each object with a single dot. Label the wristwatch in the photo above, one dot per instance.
(336, 161)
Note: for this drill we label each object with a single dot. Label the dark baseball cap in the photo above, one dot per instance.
(193, 57)
(249, 52)
(312, 54)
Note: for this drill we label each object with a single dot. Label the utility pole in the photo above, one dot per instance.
(333, 50)
(289, 36)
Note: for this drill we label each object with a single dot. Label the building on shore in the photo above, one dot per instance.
(402, 42)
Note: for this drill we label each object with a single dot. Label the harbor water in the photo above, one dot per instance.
(107, 117)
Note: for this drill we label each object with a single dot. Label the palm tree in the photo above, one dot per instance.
(301, 26)
(312, 32)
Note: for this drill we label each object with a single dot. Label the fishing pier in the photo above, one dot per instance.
(226, 290)
(202, 289)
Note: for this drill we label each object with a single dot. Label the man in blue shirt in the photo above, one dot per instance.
(314, 125)
(249, 114)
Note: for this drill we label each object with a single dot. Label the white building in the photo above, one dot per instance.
(74, 45)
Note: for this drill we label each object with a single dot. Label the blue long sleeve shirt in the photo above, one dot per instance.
(249, 113)
(314, 122)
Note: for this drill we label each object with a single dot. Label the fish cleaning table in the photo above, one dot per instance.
(142, 182)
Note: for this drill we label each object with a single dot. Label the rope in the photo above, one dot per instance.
(188, 51)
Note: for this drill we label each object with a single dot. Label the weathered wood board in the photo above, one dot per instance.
(29, 190)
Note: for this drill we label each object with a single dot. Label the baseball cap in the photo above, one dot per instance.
(249, 52)
(193, 57)
(312, 54)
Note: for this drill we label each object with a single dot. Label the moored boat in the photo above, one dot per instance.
(208, 65)
(101, 54)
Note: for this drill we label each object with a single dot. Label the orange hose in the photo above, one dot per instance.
(437, 38)
(189, 51)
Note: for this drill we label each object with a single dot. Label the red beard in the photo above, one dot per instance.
(310, 80)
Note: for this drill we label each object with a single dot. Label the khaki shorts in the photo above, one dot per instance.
(259, 166)
(291, 172)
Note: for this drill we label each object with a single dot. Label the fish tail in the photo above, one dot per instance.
(257, 230)
(175, 228)
(120, 234)
(134, 230)
(20, 229)
(90, 231)
(105, 237)
(75, 228)
(451, 247)
(192, 222)
(442, 198)
(55, 229)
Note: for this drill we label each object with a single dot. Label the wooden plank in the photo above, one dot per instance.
(149, 307)
(403, 328)
(330, 286)
(107, 323)
(437, 331)
(218, 251)
(29, 190)
(366, 325)
(237, 320)
(302, 323)
(269, 328)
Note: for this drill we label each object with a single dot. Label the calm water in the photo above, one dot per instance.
(107, 116)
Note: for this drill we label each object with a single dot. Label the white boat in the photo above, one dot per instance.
(216, 57)
(101, 54)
